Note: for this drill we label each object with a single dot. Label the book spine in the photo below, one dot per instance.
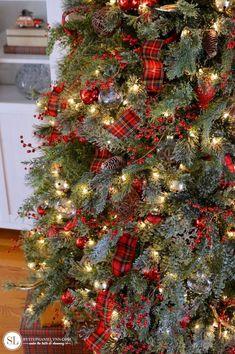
(24, 50)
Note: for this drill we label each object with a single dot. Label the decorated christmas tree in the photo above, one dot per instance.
(133, 204)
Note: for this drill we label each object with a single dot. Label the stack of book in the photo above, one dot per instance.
(26, 41)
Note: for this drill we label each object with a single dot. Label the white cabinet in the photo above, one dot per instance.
(16, 112)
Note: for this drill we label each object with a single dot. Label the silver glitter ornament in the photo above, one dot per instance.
(199, 283)
(110, 97)
(66, 208)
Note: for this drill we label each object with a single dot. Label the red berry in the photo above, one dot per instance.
(89, 96)
(184, 322)
(81, 242)
(67, 298)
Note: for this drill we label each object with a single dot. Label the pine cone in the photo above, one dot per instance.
(113, 163)
(105, 22)
(210, 42)
(128, 205)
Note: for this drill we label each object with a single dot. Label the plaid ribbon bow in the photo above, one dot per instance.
(153, 66)
(100, 156)
(105, 303)
(98, 338)
(55, 103)
(125, 125)
(125, 254)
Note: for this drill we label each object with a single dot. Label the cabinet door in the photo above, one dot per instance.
(15, 120)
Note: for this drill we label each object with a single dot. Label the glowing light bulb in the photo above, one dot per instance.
(226, 115)
(124, 177)
(141, 225)
(41, 241)
(59, 218)
(88, 268)
(30, 308)
(214, 76)
(90, 243)
(96, 284)
(155, 175)
(185, 32)
(115, 315)
(66, 322)
(71, 101)
(31, 265)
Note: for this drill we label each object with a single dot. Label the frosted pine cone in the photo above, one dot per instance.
(210, 42)
(113, 163)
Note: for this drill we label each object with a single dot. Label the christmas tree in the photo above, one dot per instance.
(133, 203)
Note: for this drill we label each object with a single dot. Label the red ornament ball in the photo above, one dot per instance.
(89, 96)
(152, 274)
(127, 5)
(154, 219)
(184, 322)
(67, 298)
(205, 94)
(41, 211)
(81, 242)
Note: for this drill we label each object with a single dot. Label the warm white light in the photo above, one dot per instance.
(84, 190)
(31, 265)
(66, 322)
(112, 2)
(88, 268)
(96, 284)
(90, 243)
(197, 326)
(41, 241)
(59, 217)
(97, 72)
(185, 32)
(135, 88)
(214, 77)
(115, 315)
(226, 115)
(30, 308)
(93, 109)
(124, 177)
(141, 225)
(71, 101)
(125, 102)
(155, 175)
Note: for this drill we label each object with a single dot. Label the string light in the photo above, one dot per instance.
(31, 265)
(141, 225)
(112, 2)
(97, 72)
(115, 315)
(124, 177)
(155, 256)
(71, 101)
(231, 233)
(125, 102)
(88, 267)
(134, 88)
(226, 115)
(225, 334)
(214, 77)
(96, 284)
(66, 322)
(90, 243)
(30, 309)
(216, 142)
(185, 32)
(41, 241)
(197, 326)
(155, 175)
(59, 218)
(93, 109)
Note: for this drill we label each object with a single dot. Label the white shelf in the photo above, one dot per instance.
(23, 0)
(10, 95)
(20, 58)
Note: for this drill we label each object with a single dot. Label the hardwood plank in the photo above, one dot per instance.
(13, 268)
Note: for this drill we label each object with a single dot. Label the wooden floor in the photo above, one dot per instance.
(12, 267)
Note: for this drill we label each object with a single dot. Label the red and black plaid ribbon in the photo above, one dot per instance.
(55, 103)
(100, 156)
(153, 67)
(125, 254)
(99, 338)
(125, 125)
(105, 303)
